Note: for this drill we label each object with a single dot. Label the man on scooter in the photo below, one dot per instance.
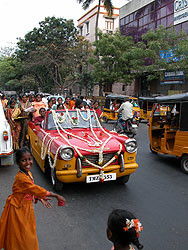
(126, 111)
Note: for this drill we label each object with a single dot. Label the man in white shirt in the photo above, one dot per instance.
(126, 109)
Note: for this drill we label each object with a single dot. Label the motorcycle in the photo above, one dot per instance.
(129, 127)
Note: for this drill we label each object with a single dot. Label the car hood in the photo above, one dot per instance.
(82, 139)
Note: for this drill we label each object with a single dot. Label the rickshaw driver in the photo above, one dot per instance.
(126, 111)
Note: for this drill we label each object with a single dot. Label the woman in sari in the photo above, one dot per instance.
(12, 114)
(23, 106)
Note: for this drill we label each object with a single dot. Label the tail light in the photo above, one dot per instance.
(5, 135)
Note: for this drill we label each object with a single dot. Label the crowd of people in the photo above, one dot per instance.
(19, 111)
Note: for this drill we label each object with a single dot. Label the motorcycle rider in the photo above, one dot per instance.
(126, 111)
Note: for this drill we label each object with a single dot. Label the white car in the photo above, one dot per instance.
(6, 150)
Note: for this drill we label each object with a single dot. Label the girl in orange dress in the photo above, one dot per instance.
(123, 230)
(17, 223)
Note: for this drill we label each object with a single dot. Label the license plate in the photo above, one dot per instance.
(134, 126)
(96, 178)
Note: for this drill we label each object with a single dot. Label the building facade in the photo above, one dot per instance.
(107, 24)
(86, 23)
(137, 17)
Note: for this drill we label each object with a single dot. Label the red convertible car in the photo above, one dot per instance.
(72, 146)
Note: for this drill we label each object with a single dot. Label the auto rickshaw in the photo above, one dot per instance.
(168, 127)
(146, 105)
(112, 104)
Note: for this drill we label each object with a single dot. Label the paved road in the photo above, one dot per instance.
(156, 193)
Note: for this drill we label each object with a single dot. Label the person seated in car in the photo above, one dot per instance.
(60, 106)
(39, 119)
(38, 104)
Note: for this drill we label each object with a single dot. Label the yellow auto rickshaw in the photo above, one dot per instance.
(168, 127)
(113, 103)
(146, 105)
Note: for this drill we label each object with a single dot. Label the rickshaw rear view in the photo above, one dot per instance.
(168, 127)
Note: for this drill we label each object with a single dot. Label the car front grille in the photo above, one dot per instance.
(94, 159)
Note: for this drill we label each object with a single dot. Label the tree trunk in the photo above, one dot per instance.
(97, 20)
(100, 89)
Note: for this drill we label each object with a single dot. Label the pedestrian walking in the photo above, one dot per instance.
(17, 223)
(123, 230)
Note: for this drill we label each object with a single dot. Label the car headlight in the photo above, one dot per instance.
(66, 153)
(131, 145)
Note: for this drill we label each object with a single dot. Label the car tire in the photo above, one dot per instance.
(184, 164)
(123, 179)
(51, 175)
(152, 149)
(57, 185)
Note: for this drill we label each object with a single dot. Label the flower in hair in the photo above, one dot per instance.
(134, 223)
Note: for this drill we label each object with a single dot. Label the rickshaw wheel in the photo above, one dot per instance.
(152, 150)
(184, 164)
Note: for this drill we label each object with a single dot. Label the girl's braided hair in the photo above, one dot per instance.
(117, 223)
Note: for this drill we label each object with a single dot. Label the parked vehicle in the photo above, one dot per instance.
(112, 104)
(72, 146)
(6, 149)
(168, 127)
(146, 105)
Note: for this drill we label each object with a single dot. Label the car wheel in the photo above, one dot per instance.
(57, 185)
(123, 179)
(184, 164)
(152, 150)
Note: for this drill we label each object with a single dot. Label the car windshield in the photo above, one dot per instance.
(72, 119)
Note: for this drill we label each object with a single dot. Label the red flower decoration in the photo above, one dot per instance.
(76, 118)
(62, 114)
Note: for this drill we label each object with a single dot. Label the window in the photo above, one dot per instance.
(87, 28)
(81, 30)
(108, 88)
(123, 87)
(109, 24)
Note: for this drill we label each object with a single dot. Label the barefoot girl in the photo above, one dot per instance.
(17, 223)
(123, 230)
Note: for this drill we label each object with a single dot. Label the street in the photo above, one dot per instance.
(156, 193)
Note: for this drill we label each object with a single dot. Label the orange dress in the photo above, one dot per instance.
(17, 223)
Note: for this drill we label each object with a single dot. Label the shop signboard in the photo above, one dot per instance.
(172, 77)
(180, 11)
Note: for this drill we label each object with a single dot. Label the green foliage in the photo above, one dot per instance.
(118, 58)
(10, 73)
(44, 51)
(107, 4)
(164, 41)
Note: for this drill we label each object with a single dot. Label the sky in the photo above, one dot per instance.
(18, 17)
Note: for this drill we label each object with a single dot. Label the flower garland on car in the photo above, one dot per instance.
(97, 141)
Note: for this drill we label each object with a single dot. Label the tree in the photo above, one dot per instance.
(166, 50)
(107, 4)
(44, 51)
(119, 59)
(10, 73)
